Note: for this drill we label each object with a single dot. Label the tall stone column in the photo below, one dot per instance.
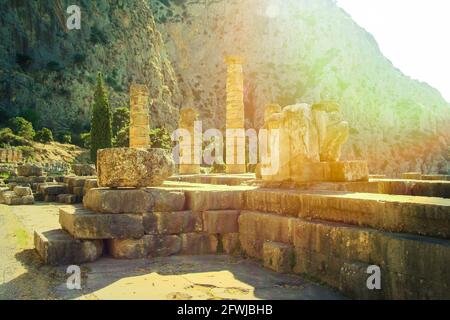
(190, 165)
(139, 117)
(235, 118)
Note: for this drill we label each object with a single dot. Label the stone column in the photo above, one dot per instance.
(235, 117)
(139, 117)
(188, 116)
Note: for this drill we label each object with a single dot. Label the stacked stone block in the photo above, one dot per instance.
(17, 196)
(139, 117)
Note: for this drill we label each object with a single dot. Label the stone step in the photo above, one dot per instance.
(416, 215)
(431, 188)
(118, 201)
(85, 224)
(57, 247)
(412, 266)
(218, 179)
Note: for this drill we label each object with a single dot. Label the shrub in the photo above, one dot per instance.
(101, 132)
(27, 152)
(122, 139)
(44, 135)
(120, 120)
(86, 140)
(8, 138)
(66, 138)
(160, 138)
(22, 127)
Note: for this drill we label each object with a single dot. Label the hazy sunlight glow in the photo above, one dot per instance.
(413, 34)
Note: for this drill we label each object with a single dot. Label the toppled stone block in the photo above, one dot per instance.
(29, 170)
(166, 223)
(57, 247)
(137, 168)
(147, 246)
(78, 191)
(115, 201)
(278, 257)
(11, 198)
(231, 244)
(27, 200)
(90, 184)
(198, 244)
(84, 169)
(221, 222)
(53, 190)
(85, 224)
(22, 191)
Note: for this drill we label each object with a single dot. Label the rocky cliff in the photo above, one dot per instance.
(306, 51)
(47, 72)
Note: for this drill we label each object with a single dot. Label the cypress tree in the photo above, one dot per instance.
(101, 132)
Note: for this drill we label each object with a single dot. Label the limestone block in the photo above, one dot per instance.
(90, 184)
(22, 191)
(278, 257)
(221, 222)
(116, 201)
(57, 247)
(78, 191)
(53, 190)
(27, 200)
(139, 116)
(198, 244)
(50, 198)
(167, 223)
(10, 198)
(84, 224)
(231, 244)
(349, 171)
(72, 199)
(201, 200)
(127, 167)
(147, 246)
(61, 198)
(353, 282)
(28, 170)
(84, 169)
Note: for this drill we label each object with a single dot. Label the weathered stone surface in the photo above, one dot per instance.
(139, 116)
(61, 198)
(53, 189)
(418, 215)
(440, 189)
(90, 184)
(27, 200)
(57, 247)
(235, 118)
(127, 167)
(167, 223)
(115, 201)
(436, 177)
(278, 257)
(412, 266)
(11, 198)
(78, 191)
(147, 246)
(348, 171)
(255, 228)
(84, 224)
(198, 244)
(23, 191)
(50, 198)
(84, 169)
(28, 170)
(201, 200)
(221, 222)
(231, 244)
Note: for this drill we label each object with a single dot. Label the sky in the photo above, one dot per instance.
(413, 34)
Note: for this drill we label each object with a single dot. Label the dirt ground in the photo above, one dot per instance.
(23, 276)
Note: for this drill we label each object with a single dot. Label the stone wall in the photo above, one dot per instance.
(10, 156)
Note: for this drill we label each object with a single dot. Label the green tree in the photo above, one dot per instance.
(122, 139)
(160, 138)
(120, 120)
(44, 135)
(101, 132)
(22, 127)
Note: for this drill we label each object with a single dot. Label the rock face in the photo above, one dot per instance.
(49, 71)
(136, 168)
(310, 51)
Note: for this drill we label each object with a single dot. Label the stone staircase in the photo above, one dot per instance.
(331, 236)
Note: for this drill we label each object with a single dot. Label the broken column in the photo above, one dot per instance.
(235, 143)
(139, 117)
(188, 162)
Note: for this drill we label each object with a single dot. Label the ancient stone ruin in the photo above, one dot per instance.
(331, 224)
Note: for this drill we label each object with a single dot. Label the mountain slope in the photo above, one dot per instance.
(306, 51)
(47, 72)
